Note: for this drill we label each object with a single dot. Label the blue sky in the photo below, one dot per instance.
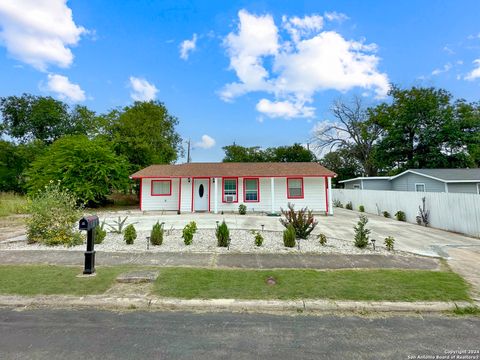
(254, 72)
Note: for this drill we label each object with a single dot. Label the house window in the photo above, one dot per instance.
(420, 187)
(251, 190)
(295, 188)
(161, 188)
(356, 186)
(230, 186)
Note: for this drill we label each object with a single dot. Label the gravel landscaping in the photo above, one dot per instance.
(242, 241)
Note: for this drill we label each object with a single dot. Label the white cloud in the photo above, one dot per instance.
(284, 109)
(300, 27)
(142, 90)
(448, 50)
(187, 46)
(257, 36)
(475, 73)
(64, 89)
(39, 32)
(314, 60)
(206, 143)
(335, 16)
(446, 68)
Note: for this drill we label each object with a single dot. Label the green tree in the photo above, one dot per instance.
(293, 153)
(29, 117)
(90, 169)
(145, 134)
(352, 131)
(423, 128)
(14, 160)
(343, 164)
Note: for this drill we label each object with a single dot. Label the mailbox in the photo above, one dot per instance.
(89, 223)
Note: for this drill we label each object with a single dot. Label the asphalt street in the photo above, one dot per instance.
(92, 334)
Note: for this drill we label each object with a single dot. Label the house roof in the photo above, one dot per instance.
(366, 178)
(446, 175)
(304, 169)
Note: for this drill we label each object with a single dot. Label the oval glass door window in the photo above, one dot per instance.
(200, 191)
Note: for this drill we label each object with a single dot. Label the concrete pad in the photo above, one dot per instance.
(136, 277)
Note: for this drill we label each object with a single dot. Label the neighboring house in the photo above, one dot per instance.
(216, 187)
(422, 180)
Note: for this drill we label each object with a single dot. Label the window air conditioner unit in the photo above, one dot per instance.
(229, 198)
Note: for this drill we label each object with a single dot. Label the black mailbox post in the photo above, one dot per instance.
(89, 223)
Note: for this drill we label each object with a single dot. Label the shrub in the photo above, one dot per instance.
(389, 242)
(361, 232)
(423, 214)
(156, 235)
(100, 233)
(400, 216)
(302, 221)
(289, 236)
(130, 234)
(258, 238)
(54, 214)
(349, 206)
(361, 208)
(322, 239)
(337, 203)
(188, 231)
(223, 235)
(386, 214)
(242, 209)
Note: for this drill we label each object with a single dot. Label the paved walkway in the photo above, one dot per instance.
(252, 261)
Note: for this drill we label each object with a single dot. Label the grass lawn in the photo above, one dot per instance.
(11, 204)
(394, 285)
(48, 280)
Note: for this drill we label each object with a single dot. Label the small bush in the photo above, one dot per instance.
(389, 242)
(361, 208)
(242, 209)
(400, 216)
(349, 206)
(54, 214)
(337, 203)
(322, 239)
(386, 214)
(289, 236)
(118, 225)
(100, 233)
(361, 232)
(188, 231)
(156, 235)
(258, 238)
(223, 235)
(130, 234)
(302, 221)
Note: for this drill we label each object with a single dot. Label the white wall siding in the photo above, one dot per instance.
(453, 212)
(168, 202)
(314, 196)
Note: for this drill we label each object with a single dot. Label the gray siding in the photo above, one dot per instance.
(349, 185)
(407, 183)
(377, 184)
(467, 188)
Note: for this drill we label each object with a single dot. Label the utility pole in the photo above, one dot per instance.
(188, 152)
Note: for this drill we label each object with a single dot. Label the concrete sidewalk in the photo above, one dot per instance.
(232, 260)
(153, 303)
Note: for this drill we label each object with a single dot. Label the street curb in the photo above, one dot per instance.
(228, 305)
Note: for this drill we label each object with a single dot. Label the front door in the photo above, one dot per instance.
(201, 195)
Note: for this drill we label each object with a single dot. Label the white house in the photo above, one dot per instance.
(216, 187)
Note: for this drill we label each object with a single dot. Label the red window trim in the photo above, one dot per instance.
(223, 188)
(170, 188)
(245, 189)
(295, 197)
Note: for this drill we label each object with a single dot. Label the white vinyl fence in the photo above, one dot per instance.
(448, 211)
